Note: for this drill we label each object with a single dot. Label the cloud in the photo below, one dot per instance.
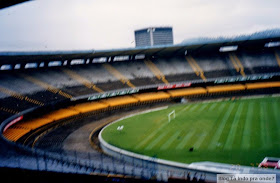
(104, 24)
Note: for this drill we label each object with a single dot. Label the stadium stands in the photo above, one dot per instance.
(102, 82)
(10, 111)
(99, 77)
(82, 80)
(237, 64)
(19, 96)
(61, 114)
(12, 104)
(18, 130)
(277, 58)
(159, 75)
(24, 89)
(34, 123)
(196, 68)
(13, 134)
(41, 87)
(118, 75)
(255, 63)
(46, 85)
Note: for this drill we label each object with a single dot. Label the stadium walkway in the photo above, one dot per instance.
(93, 162)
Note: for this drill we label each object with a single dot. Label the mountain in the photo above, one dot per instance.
(257, 35)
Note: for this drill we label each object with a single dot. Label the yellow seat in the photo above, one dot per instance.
(61, 114)
(34, 123)
(187, 92)
(13, 134)
(117, 101)
(251, 86)
(225, 88)
(152, 96)
(88, 107)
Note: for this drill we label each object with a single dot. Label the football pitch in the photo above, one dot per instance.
(242, 131)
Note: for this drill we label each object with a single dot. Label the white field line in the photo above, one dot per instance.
(221, 127)
(110, 148)
(186, 138)
(227, 98)
(203, 107)
(267, 123)
(203, 135)
(173, 137)
(222, 107)
(233, 128)
(193, 108)
(275, 95)
(184, 109)
(213, 106)
(156, 140)
(259, 96)
(276, 114)
(143, 112)
(241, 97)
(247, 127)
(151, 135)
(201, 139)
(170, 140)
(264, 130)
(262, 126)
(191, 166)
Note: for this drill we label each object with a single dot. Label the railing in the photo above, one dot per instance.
(76, 162)
(19, 156)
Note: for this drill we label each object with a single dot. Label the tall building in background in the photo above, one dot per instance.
(154, 36)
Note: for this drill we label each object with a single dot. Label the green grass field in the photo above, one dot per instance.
(236, 132)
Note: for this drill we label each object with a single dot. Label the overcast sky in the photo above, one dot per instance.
(104, 24)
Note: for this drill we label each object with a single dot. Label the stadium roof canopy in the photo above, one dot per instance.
(8, 3)
(156, 51)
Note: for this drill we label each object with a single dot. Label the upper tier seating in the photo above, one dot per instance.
(20, 90)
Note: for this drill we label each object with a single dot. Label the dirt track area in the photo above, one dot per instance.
(79, 139)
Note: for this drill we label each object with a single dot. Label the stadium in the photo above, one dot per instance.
(164, 113)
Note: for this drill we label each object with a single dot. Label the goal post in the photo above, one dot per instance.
(171, 115)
